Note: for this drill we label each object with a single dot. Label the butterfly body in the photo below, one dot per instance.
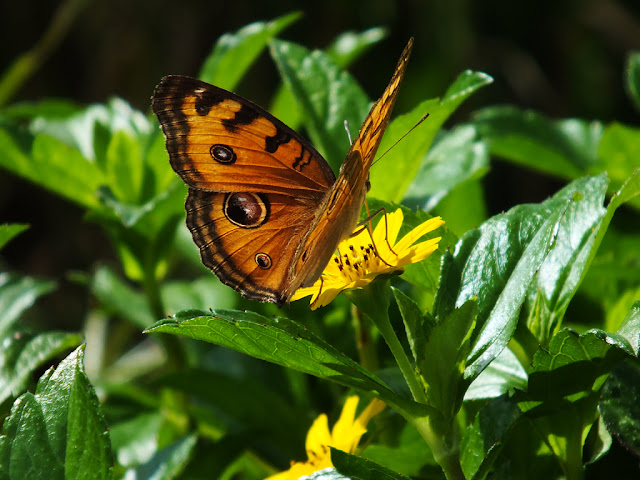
(264, 207)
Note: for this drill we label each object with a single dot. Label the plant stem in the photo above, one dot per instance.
(381, 321)
(442, 440)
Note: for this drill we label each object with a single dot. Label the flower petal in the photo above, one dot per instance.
(418, 232)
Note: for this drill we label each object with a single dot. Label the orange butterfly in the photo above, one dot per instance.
(264, 207)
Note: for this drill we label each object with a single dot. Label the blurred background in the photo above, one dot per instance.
(562, 58)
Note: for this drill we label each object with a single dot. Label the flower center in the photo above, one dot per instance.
(356, 261)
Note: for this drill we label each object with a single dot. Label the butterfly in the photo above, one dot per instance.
(264, 207)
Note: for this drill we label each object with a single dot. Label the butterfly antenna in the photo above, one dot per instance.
(346, 127)
(424, 117)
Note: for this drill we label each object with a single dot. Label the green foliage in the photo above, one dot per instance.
(494, 366)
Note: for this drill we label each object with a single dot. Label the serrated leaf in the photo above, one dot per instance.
(407, 157)
(234, 53)
(327, 94)
(358, 468)
(284, 342)
(59, 432)
(21, 355)
(24, 448)
(9, 231)
(574, 365)
(18, 294)
(619, 405)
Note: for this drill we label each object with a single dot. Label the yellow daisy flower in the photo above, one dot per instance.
(358, 262)
(345, 436)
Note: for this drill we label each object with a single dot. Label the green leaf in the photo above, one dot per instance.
(345, 49)
(630, 328)
(234, 53)
(119, 298)
(284, 342)
(409, 456)
(564, 148)
(483, 440)
(455, 157)
(445, 359)
(124, 168)
(564, 388)
(327, 94)
(88, 130)
(559, 275)
(504, 374)
(21, 355)
(619, 405)
(359, 468)
(407, 157)
(18, 294)
(135, 441)
(234, 401)
(167, 463)
(414, 324)
(59, 432)
(573, 367)
(25, 451)
(620, 154)
(53, 165)
(349, 46)
(497, 262)
(632, 77)
(8, 231)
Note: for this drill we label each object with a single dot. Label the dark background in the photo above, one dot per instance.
(563, 58)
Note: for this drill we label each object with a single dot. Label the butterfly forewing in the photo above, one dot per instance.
(221, 142)
(339, 214)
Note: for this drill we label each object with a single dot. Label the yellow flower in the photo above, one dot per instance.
(357, 262)
(345, 436)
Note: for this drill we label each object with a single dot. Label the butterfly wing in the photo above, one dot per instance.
(221, 142)
(254, 184)
(340, 210)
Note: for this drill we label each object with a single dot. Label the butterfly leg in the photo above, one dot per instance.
(369, 229)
